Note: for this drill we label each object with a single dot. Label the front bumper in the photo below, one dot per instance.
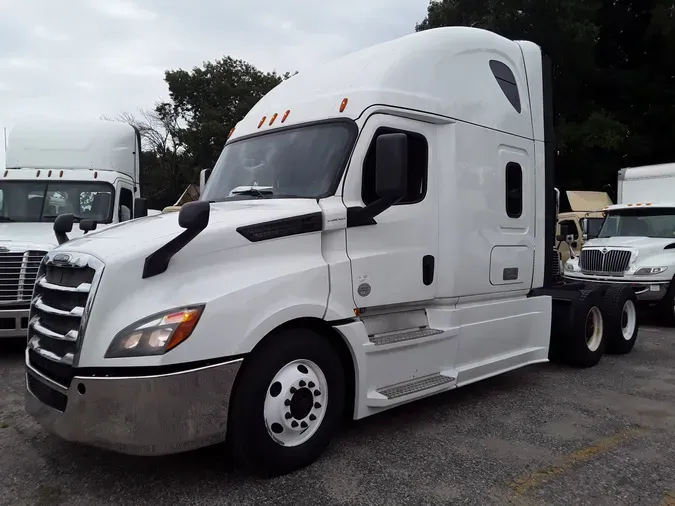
(13, 323)
(644, 290)
(138, 415)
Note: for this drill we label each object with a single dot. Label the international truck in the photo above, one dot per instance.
(635, 246)
(391, 237)
(90, 169)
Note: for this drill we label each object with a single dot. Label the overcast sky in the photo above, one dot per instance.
(85, 58)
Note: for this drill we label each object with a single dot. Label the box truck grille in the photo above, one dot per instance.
(17, 276)
(604, 261)
(61, 297)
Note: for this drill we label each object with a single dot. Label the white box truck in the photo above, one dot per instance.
(89, 169)
(636, 244)
(390, 236)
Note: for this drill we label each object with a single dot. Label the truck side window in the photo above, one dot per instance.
(507, 82)
(514, 190)
(418, 161)
(572, 228)
(127, 200)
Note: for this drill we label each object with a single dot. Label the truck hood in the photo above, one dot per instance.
(31, 235)
(645, 245)
(141, 236)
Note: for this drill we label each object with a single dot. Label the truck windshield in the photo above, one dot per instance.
(35, 201)
(593, 226)
(304, 162)
(639, 223)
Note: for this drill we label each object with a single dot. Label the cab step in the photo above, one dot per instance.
(411, 389)
(403, 335)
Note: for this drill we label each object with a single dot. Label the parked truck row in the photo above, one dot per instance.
(376, 230)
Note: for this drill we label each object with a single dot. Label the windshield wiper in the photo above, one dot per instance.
(54, 216)
(254, 192)
(2, 218)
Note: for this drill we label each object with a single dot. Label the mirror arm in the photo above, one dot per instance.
(361, 216)
(61, 237)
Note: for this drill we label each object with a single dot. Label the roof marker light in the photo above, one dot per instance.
(285, 115)
(262, 121)
(343, 105)
(49, 174)
(231, 132)
(37, 174)
(61, 174)
(95, 174)
(639, 204)
(273, 118)
(630, 205)
(6, 172)
(648, 203)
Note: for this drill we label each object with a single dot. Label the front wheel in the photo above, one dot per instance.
(622, 319)
(288, 403)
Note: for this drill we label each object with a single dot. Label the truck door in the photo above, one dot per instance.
(393, 261)
(125, 202)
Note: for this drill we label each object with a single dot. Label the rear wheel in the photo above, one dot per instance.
(288, 403)
(585, 340)
(666, 307)
(621, 319)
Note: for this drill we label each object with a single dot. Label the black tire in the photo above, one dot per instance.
(620, 309)
(575, 349)
(250, 441)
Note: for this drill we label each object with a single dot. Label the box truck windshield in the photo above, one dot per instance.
(654, 222)
(40, 201)
(305, 162)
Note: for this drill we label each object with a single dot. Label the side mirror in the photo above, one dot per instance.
(62, 225)
(87, 225)
(391, 169)
(584, 237)
(569, 238)
(140, 207)
(203, 178)
(194, 215)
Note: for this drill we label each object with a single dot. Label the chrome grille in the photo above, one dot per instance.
(556, 262)
(604, 261)
(18, 271)
(61, 301)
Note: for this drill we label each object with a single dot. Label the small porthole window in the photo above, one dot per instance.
(514, 190)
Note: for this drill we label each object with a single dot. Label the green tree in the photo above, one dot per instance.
(613, 75)
(209, 100)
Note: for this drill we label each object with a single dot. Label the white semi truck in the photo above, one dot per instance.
(391, 237)
(636, 245)
(89, 169)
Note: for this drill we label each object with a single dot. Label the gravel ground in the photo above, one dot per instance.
(538, 436)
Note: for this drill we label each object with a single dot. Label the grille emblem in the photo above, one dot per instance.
(604, 251)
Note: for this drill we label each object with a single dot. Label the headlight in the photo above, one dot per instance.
(569, 267)
(643, 271)
(156, 334)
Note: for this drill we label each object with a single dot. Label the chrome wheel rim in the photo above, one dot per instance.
(594, 328)
(628, 320)
(295, 403)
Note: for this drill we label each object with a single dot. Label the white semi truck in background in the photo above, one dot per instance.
(89, 169)
(635, 246)
(375, 231)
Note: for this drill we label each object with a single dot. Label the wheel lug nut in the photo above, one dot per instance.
(293, 390)
(294, 424)
(303, 425)
(312, 417)
(317, 405)
(302, 383)
(287, 402)
(288, 416)
(310, 384)
(316, 392)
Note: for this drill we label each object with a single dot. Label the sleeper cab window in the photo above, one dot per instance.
(507, 82)
(514, 190)
(418, 161)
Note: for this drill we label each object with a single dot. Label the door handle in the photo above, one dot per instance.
(428, 262)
